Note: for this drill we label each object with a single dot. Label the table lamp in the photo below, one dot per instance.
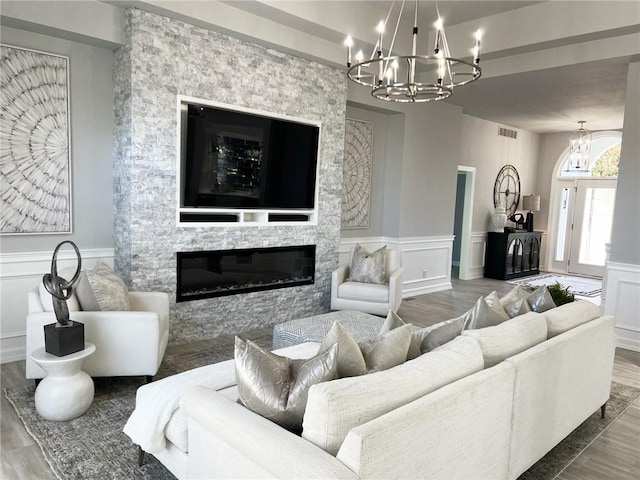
(531, 203)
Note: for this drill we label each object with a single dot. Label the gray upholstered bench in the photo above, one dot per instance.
(362, 327)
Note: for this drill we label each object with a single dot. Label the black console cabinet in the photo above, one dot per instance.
(512, 255)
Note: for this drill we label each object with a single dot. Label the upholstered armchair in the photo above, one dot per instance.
(374, 298)
(128, 343)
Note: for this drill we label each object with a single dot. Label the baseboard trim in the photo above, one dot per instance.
(414, 292)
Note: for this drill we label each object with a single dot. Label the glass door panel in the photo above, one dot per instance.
(592, 226)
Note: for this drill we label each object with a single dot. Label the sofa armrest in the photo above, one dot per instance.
(226, 440)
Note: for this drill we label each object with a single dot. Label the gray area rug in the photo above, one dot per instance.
(582, 286)
(93, 446)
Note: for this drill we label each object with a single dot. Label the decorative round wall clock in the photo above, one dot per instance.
(507, 189)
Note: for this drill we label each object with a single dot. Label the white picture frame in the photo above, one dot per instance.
(35, 160)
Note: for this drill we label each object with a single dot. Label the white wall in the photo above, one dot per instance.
(621, 296)
(25, 258)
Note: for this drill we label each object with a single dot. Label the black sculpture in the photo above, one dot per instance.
(59, 288)
(70, 338)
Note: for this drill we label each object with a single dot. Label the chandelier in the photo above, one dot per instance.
(580, 149)
(395, 78)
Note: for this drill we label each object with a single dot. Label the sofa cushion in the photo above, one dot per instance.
(509, 338)
(367, 292)
(485, 313)
(276, 387)
(368, 267)
(570, 315)
(429, 338)
(334, 408)
(540, 300)
(102, 289)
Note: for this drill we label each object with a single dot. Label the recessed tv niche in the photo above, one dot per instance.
(242, 160)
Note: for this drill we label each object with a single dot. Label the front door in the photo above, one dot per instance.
(592, 218)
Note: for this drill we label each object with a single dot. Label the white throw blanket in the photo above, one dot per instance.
(156, 401)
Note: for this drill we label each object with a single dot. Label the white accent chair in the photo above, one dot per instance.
(369, 297)
(130, 343)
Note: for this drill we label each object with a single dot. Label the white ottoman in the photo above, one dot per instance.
(362, 326)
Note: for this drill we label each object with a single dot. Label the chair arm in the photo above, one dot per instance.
(338, 276)
(226, 440)
(150, 302)
(395, 289)
(127, 343)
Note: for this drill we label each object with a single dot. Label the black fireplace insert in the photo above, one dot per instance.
(207, 274)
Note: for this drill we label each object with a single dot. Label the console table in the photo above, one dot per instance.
(512, 254)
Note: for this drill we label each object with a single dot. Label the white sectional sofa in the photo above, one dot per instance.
(488, 404)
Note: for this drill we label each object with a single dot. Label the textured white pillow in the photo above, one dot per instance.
(102, 289)
(47, 299)
(515, 294)
(509, 338)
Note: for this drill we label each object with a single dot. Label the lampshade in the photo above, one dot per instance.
(531, 203)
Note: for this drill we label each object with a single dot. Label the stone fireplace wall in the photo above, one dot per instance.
(162, 59)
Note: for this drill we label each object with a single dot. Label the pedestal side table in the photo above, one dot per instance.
(66, 392)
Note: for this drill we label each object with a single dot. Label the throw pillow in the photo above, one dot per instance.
(519, 307)
(277, 387)
(392, 321)
(434, 336)
(484, 314)
(515, 294)
(102, 289)
(368, 267)
(540, 300)
(350, 360)
(387, 350)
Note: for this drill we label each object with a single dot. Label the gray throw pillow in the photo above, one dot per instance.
(434, 336)
(277, 387)
(540, 300)
(515, 294)
(102, 289)
(484, 314)
(368, 267)
(519, 307)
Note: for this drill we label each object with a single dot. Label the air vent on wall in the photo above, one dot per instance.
(505, 132)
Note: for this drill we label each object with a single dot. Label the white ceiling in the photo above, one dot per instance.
(547, 98)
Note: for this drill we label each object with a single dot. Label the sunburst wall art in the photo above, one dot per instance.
(356, 174)
(35, 163)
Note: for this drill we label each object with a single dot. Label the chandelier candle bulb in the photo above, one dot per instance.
(476, 49)
(438, 25)
(348, 43)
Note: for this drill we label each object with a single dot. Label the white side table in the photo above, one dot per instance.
(66, 392)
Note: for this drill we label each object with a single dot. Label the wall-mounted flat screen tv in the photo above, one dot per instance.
(233, 159)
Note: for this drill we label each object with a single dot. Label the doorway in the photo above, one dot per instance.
(581, 207)
(461, 261)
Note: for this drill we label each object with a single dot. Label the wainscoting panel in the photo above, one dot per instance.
(426, 260)
(19, 274)
(476, 254)
(622, 301)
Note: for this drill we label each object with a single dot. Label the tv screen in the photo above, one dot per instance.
(240, 160)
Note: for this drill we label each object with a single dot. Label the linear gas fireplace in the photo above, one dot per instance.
(229, 272)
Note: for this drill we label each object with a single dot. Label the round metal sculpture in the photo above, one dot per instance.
(59, 288)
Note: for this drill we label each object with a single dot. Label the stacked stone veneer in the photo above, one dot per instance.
(164, 58)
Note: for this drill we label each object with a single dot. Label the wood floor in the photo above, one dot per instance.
(614, 455)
